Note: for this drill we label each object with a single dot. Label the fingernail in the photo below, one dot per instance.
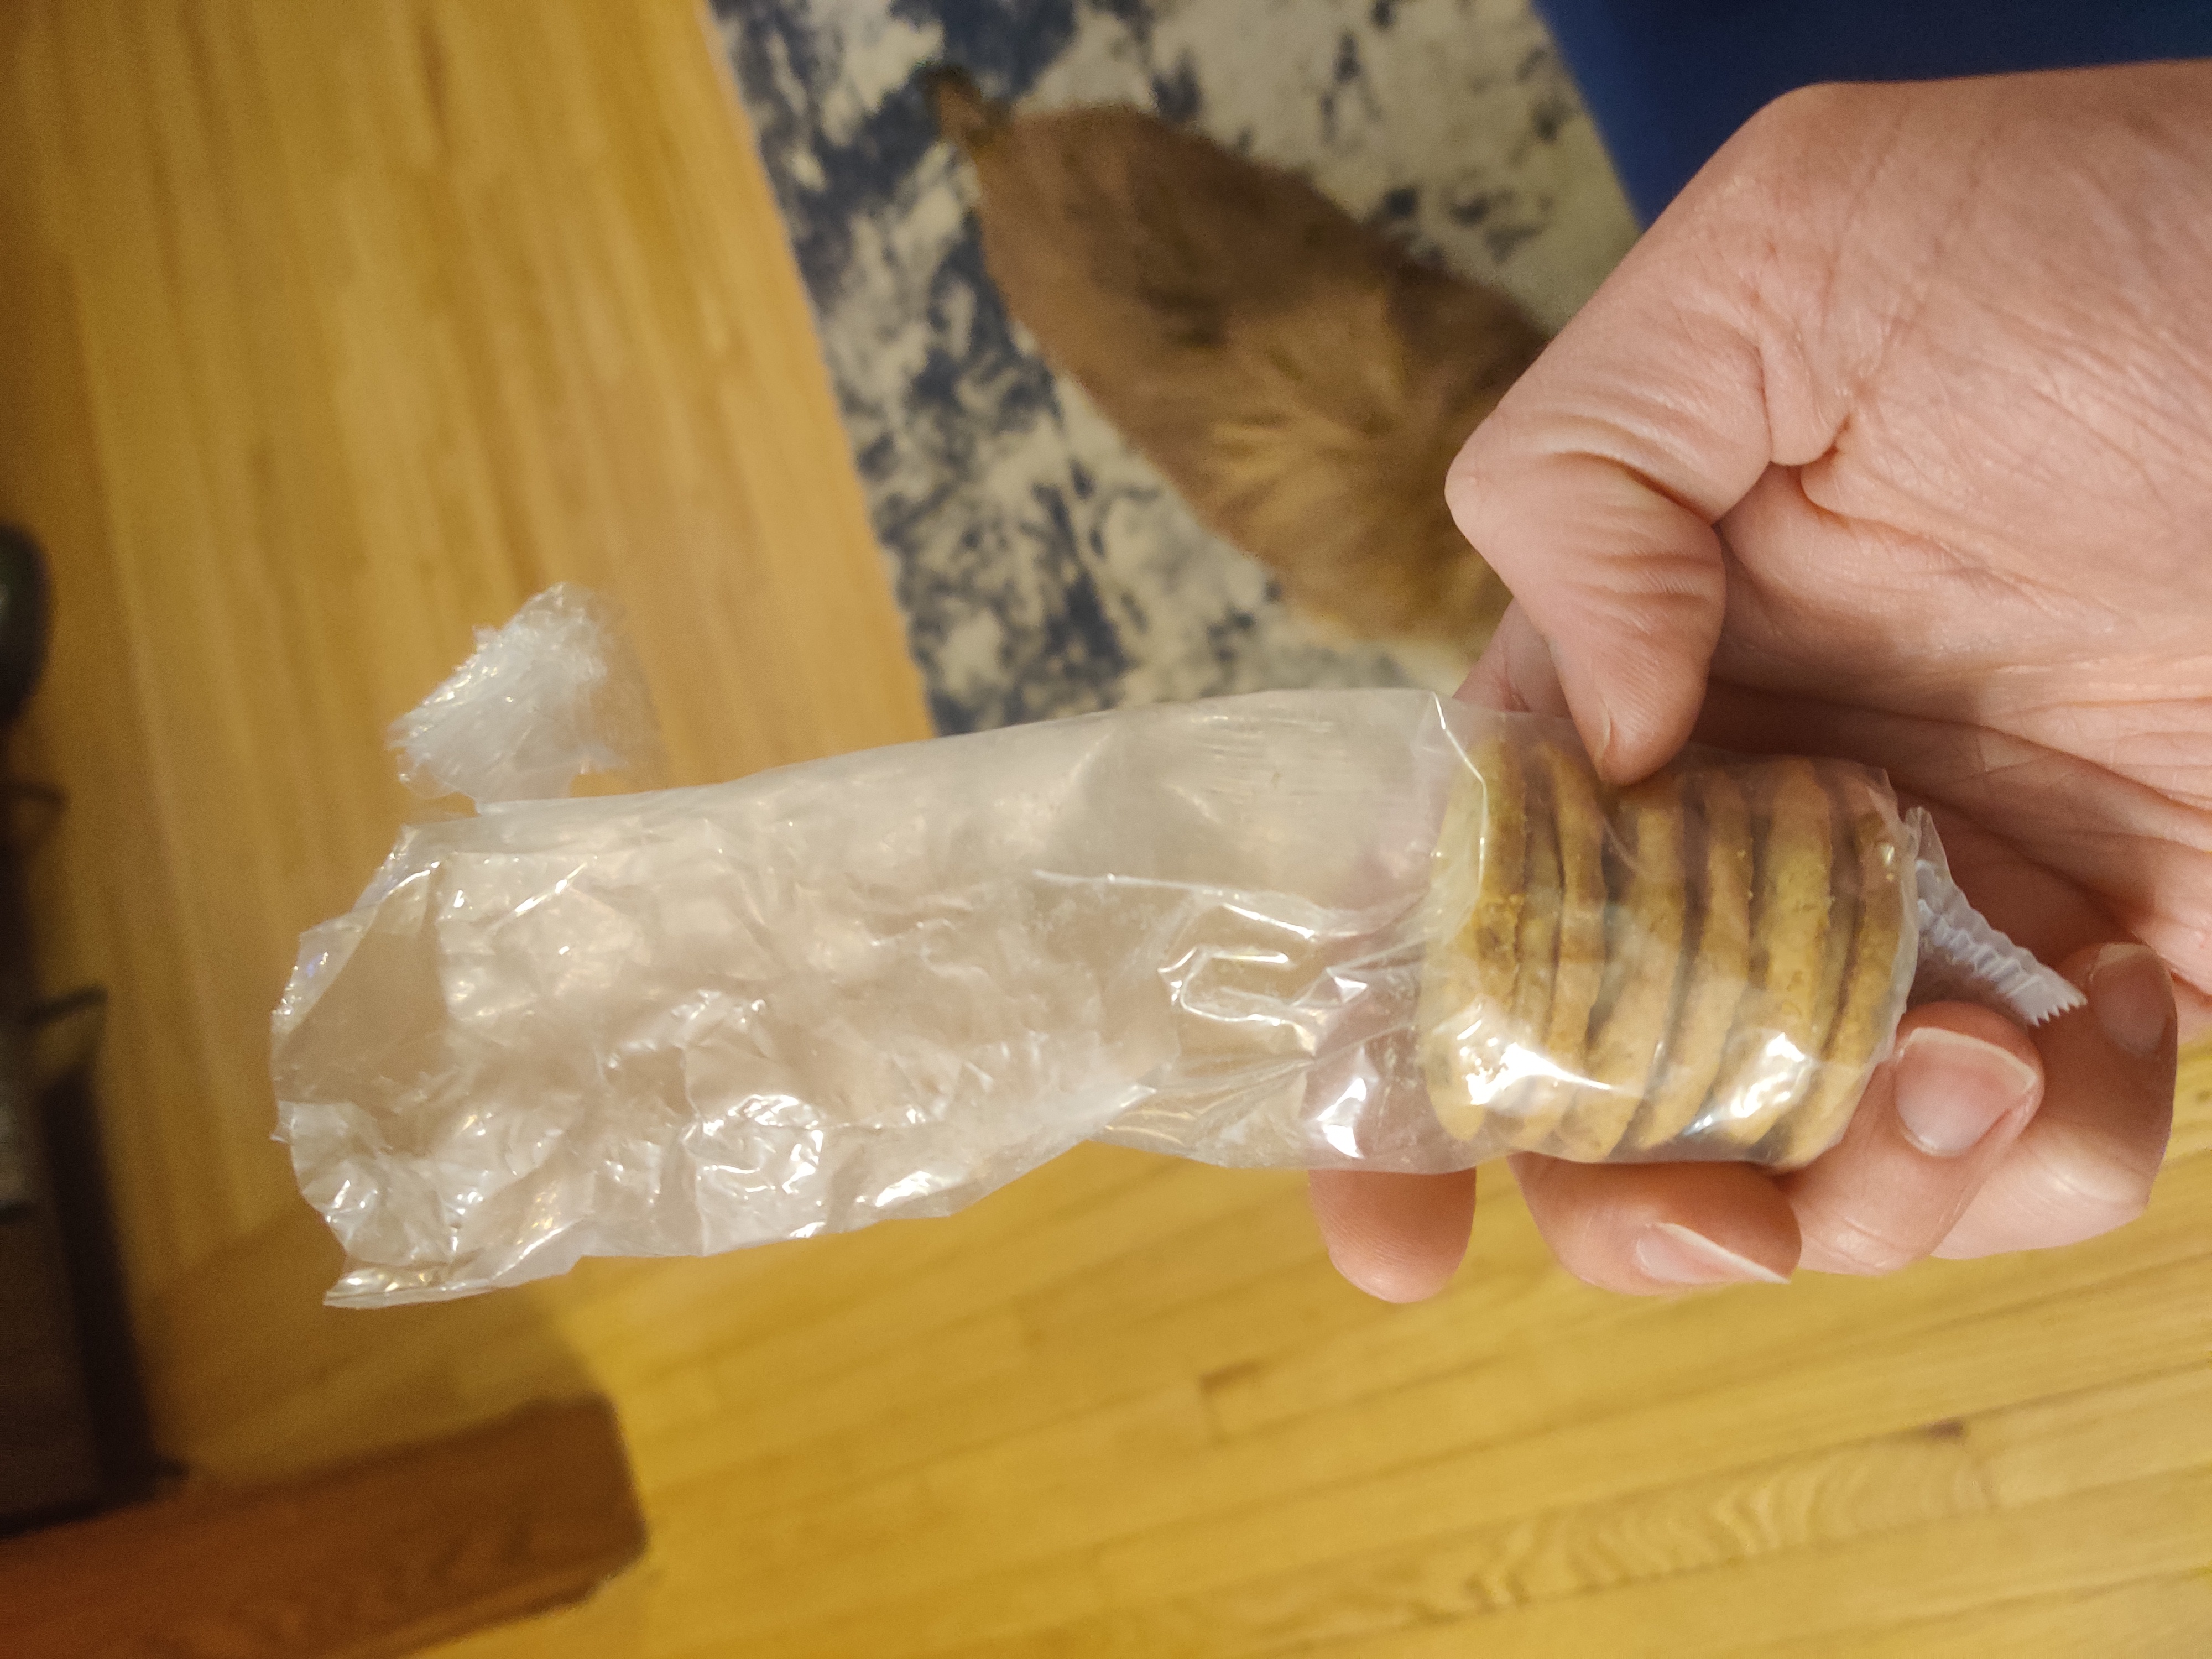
(2132, 997)
(1952, 1090)
(1673, 1255)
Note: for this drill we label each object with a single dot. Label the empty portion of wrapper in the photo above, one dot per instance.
(877, 986)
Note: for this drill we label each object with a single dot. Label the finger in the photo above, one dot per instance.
(1647, 1229)
(1936, 1121)
(1593, 488)
(1624, 582)
(1709, 355)
(1515, 673)
(2192, 1011)
(1399, 1237)
(2085, 1164)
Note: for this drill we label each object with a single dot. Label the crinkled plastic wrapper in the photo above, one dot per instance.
(1330, 929)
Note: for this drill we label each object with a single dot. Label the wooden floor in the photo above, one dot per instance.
(330, 328)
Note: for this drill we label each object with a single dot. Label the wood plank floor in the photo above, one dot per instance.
(333, 328)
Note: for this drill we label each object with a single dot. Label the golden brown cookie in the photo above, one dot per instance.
(1719, 968)
(1581, 828)
(1467, 988)
(1794, 856)
(1643, 971)
(1835, 943)
(1873, 984)
(1539, 961)
(1578, 822)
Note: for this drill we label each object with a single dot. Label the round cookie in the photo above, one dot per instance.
(1874, 986)
(1530, 1095)
(1468, 982)
(1642, 971)
(1718, 967)
(1836, 945)
(1793, 852)
(1578, 822)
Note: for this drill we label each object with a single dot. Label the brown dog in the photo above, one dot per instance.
(1299, 377)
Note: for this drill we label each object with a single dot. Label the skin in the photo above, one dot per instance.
(1892, 440)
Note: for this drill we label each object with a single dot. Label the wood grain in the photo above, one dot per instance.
(383, 317)
(2151, 1615)
(333, 329)
(381, 1558)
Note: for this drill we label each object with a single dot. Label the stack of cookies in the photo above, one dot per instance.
(1706, 965)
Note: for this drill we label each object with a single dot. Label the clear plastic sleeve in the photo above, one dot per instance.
(1360, 929)
(550, 696)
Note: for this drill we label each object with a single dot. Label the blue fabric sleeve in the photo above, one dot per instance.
(1668, 80)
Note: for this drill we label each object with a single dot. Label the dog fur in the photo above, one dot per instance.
(1299, 377)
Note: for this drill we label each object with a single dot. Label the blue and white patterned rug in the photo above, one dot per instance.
(1043, 568)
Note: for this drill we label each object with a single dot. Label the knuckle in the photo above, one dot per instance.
(1465, 484)
(1867, 1246)
(1801, 132)
(1784, 163)
(1476, 482)
(2086, 1194)
(2087, 1215)
(1809, 112)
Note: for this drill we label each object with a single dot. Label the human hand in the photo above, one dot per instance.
(1891, 439)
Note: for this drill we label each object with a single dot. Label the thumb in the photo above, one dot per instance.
(1594, 487)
